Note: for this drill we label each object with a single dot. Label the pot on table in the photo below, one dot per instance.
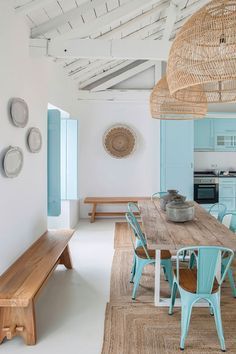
(179, 210)
(168, 197)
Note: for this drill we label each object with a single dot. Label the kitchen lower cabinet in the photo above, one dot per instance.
(227, 192)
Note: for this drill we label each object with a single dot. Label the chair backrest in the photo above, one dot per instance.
(158, 195)
(208, 258)
(219, 209)
(232, 224)
(132, 207)
(132, 221)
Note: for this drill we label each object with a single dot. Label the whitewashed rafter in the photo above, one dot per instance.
(31, 6)
(120, 13)
(121, 75)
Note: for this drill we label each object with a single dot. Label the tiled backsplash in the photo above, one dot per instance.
(215, 160)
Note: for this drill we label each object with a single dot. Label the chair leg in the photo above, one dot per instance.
(167, 265)
(215, 302)
(138, 273)
(133, 270)
(173, 297)
(186, 311)
(231, 280)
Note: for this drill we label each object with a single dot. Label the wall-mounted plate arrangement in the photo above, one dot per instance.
(13, 161)
(34, 140)
(119, 141)
(19, 112)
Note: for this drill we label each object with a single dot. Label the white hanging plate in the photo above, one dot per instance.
(13, 162)
(34, 140)
(19, 112)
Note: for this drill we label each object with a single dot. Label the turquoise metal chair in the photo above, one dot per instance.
(200, 283)
(143, 256)
(219, 209)
(232, 227)
(132, 207)
(158, 195)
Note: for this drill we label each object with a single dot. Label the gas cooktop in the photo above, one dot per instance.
(214, 174)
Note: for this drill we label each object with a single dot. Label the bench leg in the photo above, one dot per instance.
(18, 321)
(93, 215)
(66, 258)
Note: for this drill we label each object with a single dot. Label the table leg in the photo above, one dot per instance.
(157, 278)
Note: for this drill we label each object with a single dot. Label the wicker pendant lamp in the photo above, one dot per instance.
(204, 54)
(163, 106)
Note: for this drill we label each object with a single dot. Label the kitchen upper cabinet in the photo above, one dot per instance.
(204, 135)
(177, 156)
(215, 134)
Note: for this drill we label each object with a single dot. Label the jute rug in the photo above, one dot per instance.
(141, 328)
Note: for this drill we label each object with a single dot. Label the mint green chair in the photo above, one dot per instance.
(158, 195)
(132, 207)
(232, 227)
(144, 256)
(219, 209)
(200, 283)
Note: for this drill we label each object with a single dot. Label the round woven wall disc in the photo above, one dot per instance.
(119, 141)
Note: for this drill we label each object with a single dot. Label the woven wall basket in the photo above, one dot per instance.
(163, 106)
(204, 53)
(119, 141)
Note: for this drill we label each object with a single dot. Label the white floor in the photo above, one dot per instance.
(70, 310)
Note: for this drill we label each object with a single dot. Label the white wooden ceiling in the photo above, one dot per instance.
(107, 20)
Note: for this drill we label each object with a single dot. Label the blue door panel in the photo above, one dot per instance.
(54, 162)
(177, 156)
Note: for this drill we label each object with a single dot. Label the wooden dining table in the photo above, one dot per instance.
(162, 234)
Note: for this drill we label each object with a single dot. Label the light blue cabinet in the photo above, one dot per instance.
(204, 135)
(177, 156)
(215, 134)
(227, 192)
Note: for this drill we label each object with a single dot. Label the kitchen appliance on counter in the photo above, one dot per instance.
(206, 187)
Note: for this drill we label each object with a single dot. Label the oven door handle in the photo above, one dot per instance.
(207, 186)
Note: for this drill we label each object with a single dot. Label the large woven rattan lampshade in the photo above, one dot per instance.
(204, 52)
(163, 106)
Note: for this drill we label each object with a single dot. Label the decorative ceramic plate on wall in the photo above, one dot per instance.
(13, 161)
(119, 141)
(34, 140)
(19, 112)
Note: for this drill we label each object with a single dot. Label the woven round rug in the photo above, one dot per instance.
(119, 141)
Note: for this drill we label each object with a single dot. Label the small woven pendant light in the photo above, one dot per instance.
(163, 106)
(204, 53)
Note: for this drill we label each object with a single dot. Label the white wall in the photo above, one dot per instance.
(215, 160)
(23, 200)
(102, 175)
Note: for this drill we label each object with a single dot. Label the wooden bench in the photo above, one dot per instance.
(109, 200)
(20, 285)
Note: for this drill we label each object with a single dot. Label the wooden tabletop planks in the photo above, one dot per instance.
(113, 200)
(204, 230)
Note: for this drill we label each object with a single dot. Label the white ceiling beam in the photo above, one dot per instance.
(125, 74)
(31, 6)
(141, 96)
(91, 69)
(116, 66)
(64, 18)
(97, 25)
(138, 19)
(172, 13)
(109, 49)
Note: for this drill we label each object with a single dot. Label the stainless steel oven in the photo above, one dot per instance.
(206, 190)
